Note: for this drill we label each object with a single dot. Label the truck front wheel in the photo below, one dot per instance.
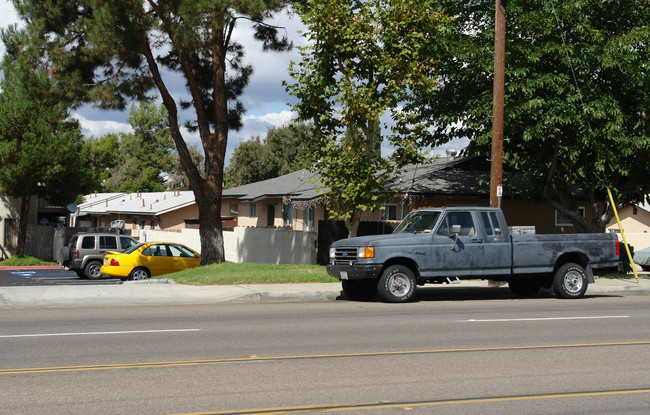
(359, 290)
(397, 284)
(570, 281)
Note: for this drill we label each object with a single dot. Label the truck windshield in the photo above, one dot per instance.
(418, 222)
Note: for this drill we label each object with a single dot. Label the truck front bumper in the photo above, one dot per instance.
(354, 272)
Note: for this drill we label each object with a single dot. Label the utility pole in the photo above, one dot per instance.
(496, 173)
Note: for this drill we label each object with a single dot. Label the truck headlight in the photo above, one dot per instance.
(332, 253)
(366, 252)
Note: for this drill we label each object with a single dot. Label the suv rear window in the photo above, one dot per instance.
(88, 242)
(107, 242)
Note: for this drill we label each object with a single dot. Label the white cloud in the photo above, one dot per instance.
(274, 119)
(98, 128)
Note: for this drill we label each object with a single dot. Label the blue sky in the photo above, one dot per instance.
(265, 99)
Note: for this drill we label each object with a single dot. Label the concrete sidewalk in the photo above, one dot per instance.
(165, 291)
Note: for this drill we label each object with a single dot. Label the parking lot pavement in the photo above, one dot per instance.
(46, 275)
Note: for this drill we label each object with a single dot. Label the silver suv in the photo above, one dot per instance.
(86, 250)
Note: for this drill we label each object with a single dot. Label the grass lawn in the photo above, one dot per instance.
(24, 260)
(228, 273)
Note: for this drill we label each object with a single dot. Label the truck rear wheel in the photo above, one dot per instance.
(397, 284)
(359, 290)
(570, 281)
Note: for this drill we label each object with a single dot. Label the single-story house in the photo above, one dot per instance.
(293, 201)
(171, 210)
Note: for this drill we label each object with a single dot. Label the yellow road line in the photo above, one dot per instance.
(408, 405)
(313, 356)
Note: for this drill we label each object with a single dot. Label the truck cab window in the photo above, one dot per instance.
(496, 224)
(462, 219)
(487, 224)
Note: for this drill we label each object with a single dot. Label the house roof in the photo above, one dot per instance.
(300, 185)
(449, 175)
(469, 176)
(645, 206)
(154, 203)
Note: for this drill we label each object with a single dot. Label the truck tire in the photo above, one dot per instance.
(397, 284)
(570, 281)
(359, 290)
(91, 271)
(524, 287)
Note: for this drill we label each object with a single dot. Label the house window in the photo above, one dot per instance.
(388, 211)
(191, 223)
(253, 210)
(287, 215)
(309, 215)
(10, 237)
(234, 209)
(563, 220)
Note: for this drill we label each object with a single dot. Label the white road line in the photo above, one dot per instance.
(92, 333)
(538, 319)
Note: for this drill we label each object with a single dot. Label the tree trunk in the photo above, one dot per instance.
(353, 223)
(25, 202)
(210, 228)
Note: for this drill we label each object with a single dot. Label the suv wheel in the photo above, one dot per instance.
(92, 270)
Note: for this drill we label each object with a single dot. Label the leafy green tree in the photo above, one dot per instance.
(291, 147)
(577, 95)
(249, 163)
(284, 150)
(362, 63)
(104, 158)
(41, 147)
(113, 51)
(146, 153)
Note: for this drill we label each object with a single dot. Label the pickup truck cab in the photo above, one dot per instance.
(444, 245)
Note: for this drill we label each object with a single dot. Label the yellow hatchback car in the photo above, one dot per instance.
(149, 259)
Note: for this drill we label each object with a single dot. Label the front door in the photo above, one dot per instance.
(457, 247)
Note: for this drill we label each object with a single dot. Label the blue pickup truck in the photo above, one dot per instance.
(444, 245)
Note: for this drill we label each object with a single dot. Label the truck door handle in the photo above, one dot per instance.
(477, 241)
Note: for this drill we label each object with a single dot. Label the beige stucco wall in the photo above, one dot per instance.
(636, 227)
(632, 223)
(244, 220)
(175, 219)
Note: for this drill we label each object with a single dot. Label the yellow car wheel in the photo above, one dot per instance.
(139, 274)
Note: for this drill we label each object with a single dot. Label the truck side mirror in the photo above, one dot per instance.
(455, 230)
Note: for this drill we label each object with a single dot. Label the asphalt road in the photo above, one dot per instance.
(469, 356)
(36, 276)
